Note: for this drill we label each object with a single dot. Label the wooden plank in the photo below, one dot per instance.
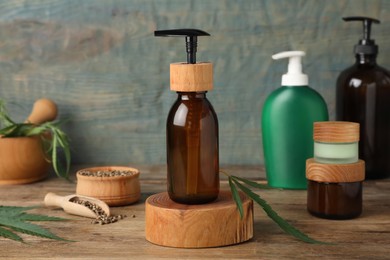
(366, 237)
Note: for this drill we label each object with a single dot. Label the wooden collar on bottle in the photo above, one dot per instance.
(335, 173)
(191, 77)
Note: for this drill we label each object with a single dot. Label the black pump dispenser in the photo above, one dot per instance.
(191, 40)
(365, 45)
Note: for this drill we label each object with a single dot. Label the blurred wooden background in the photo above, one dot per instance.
(98, 60)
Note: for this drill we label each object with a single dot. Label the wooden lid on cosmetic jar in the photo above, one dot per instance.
(336, 132)
(335, 173)
(196, 77)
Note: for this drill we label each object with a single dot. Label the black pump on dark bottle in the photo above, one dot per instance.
(366, 45)
(192, 128)
(191, 40)
(363, 96)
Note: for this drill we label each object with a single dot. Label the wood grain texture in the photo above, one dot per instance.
(98, 60)
(336, 132)
(197, 226)
(366, 237)
(335, 173)
(191, 77)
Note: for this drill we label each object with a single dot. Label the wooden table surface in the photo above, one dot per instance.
(367, 237)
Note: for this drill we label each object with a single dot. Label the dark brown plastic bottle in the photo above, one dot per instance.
(363, 96)
(192, 149)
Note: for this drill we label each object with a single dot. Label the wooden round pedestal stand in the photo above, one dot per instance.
(196, 226)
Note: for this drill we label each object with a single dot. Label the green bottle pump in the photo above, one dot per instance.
(192, 128)
(363, 96)
(287, 125)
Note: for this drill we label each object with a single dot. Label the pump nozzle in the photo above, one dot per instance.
(365, 45)
(191, 40)
(294, 76)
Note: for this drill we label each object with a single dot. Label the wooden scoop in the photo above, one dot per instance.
(65, 202)
(44, 110)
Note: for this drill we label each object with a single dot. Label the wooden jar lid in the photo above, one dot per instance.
(336, 132)
(218, 223)
(191, 77)
(335, 173)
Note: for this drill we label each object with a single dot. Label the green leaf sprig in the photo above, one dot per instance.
(15, 219)
(236, 183)
(52, 137)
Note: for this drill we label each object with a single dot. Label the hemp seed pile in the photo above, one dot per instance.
(101, 216)
(106, 173)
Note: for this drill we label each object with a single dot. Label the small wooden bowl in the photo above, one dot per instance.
(22, 160)
(113, 190)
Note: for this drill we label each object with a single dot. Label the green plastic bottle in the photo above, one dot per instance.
(287, 125)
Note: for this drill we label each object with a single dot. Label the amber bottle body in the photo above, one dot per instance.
(192, 150)
(363, 96)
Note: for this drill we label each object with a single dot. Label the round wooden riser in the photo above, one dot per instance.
(196, 226)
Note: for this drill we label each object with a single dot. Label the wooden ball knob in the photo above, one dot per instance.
(44, 110)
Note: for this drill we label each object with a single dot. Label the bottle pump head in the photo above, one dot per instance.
(365, 45)
(189, 76)
(294, 75)
(191, 40)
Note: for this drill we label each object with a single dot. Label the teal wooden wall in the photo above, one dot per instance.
(100, 62)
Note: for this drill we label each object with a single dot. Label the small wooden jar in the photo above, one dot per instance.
(335, 175)
(114, 190)
(334, 191)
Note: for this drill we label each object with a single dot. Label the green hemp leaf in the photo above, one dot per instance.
(15, 219)
(236, 183)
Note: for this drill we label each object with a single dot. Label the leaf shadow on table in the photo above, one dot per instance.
(265, 230)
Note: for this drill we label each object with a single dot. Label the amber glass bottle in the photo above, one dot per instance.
(363, 96)
(192, 128)
(192, 149)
